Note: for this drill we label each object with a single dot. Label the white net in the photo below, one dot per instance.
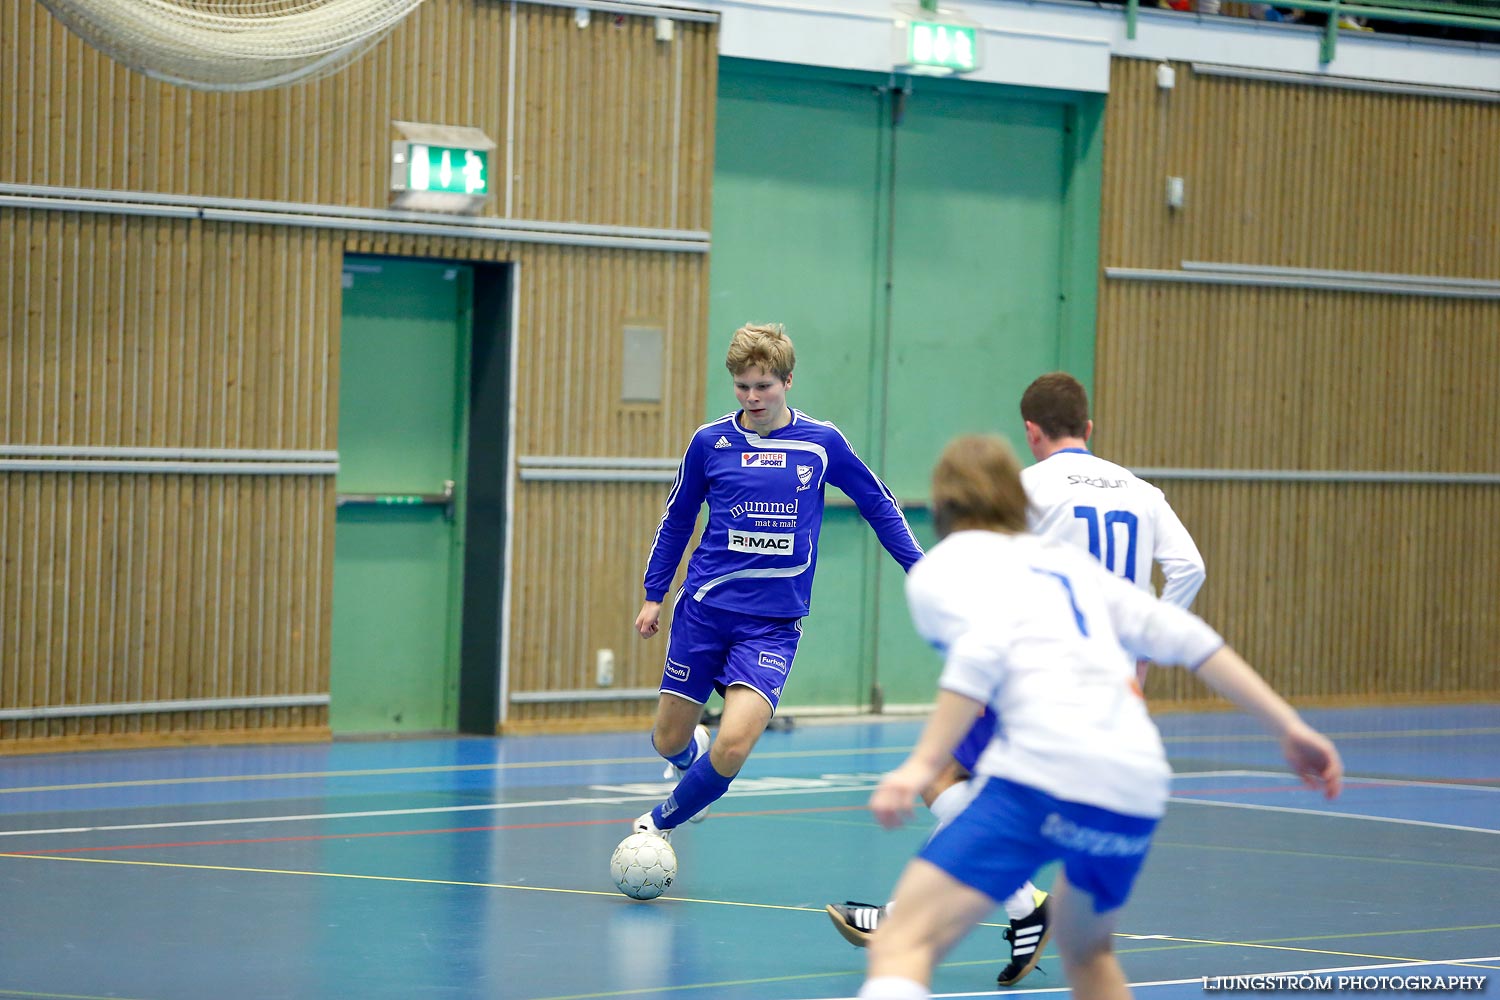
(232, 44)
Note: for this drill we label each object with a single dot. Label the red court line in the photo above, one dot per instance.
(399, 833)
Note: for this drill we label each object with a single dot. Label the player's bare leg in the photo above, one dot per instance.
(932, 911)
(1084, 940)
(746, 715)
(676, 718)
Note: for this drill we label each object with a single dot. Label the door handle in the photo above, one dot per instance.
(443, 500)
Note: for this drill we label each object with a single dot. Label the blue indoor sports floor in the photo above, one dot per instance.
(478, 868)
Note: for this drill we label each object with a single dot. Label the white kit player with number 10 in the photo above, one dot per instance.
(1079, 499)
(1120, 519)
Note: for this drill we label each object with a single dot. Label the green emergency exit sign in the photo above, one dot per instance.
(936, 45)
(440, 168)
(448, 169)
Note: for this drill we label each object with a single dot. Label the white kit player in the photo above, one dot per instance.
(1042, 636)
(1080, 499)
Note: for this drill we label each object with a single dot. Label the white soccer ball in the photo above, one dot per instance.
(643, 866)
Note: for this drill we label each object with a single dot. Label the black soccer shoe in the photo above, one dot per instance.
(1027, 937)
(856, 921)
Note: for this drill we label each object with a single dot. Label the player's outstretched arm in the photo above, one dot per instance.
(874, 501)
(1310, 754)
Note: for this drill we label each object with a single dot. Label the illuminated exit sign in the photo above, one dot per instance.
(937, 42)
(454, 169)
(440, 168)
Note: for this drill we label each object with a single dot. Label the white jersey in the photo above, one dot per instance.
(1080, 499)
(1048, 639)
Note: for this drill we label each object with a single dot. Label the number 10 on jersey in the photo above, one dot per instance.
(1105, 535)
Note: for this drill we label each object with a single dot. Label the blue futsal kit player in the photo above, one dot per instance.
(737, 619)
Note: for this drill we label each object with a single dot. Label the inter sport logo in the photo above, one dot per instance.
(763, 459)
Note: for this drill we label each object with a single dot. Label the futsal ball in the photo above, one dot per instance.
(643, 865)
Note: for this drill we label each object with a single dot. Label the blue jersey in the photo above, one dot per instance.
(765, 508)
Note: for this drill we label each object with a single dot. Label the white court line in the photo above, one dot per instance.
(1333, 815)
(483, 807)
(1351, 779)
(621, 799)
(1198, 979)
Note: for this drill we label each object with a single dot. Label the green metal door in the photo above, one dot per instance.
(797, 179)
(397, 566)
(976, 284)
(932, 248)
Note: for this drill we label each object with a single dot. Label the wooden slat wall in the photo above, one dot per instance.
(1299, 176)
(612, 528)
(580, 548)
(129, 588)
(630, 144)
(1297, 379)
(132, 588)
(1349, 592)
(134, 332)
(1339, 591)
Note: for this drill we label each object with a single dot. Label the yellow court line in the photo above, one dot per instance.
(393, 878)
(1273, 944)
(1330, 857)
(674, 899)
(477, 885)
(969, 963)
(766, 755)
(416, 881)
(704, 986)
(1424, 930)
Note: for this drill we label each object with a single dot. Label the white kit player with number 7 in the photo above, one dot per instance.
(1077, 499)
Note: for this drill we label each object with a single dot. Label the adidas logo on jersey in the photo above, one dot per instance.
(723, 442)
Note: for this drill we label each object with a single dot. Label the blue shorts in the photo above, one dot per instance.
(1008, 831)
(967, 752)
(709, 649)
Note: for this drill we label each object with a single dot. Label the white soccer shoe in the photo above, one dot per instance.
(645, 824)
